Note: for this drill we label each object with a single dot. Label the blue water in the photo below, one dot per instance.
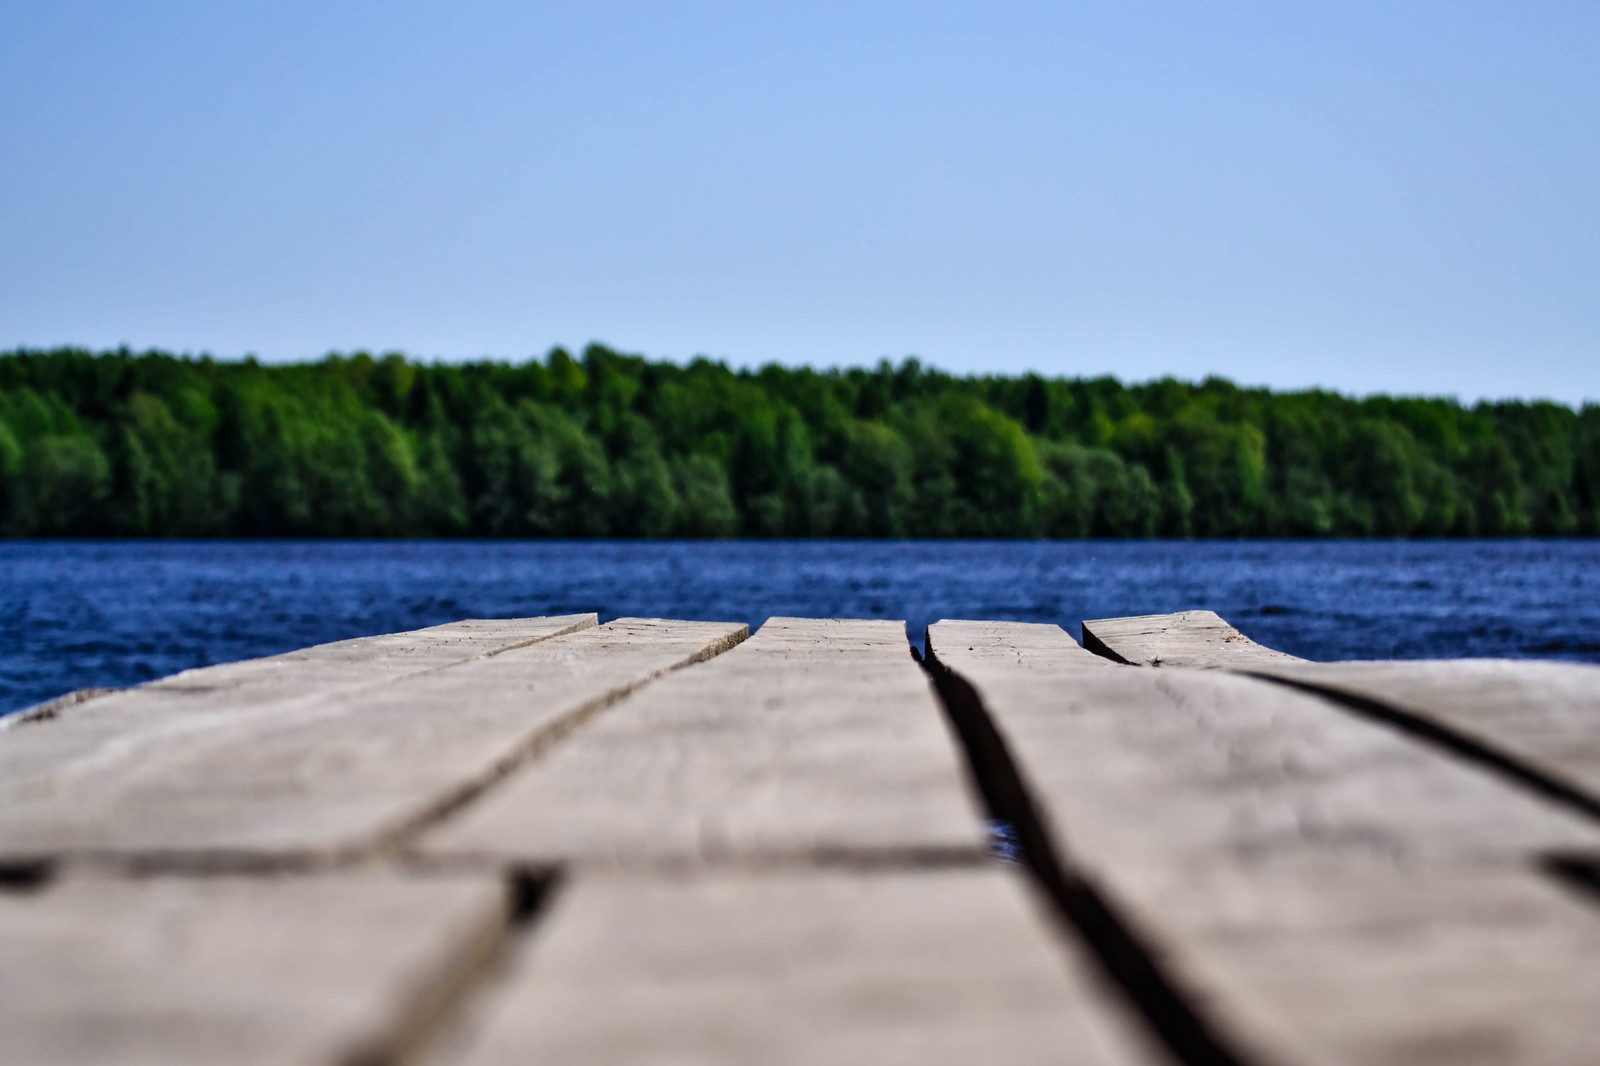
(77, 614)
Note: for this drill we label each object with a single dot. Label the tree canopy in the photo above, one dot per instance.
(615, 445)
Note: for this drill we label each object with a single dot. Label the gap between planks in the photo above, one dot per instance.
(1125, 957)
(768, 677)
(438, 1000)
(1467, 848)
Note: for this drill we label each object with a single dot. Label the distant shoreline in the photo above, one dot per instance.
(616, 446)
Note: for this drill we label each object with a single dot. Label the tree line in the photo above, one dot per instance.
(614, 445)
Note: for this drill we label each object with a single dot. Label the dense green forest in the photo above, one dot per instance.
(124, 444)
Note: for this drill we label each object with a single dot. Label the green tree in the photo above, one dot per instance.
(612, 444)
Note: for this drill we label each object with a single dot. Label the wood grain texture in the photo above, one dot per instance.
(813, 737)
(319, 670)
(1188, 638)
(176, 971)
(1543, 715)
(1323, 888)
(796, 968)
(1025, 644)
(363, 661)
(321, 774)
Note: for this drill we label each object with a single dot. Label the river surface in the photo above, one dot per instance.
(92, 613)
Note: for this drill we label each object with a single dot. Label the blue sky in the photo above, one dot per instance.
(1370, 197)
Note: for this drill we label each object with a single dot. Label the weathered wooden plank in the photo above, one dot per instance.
(361, 661)
(797, 967)
(1543, 716)
(321, 774)
(812, 736)
(323, 668)
(1321, 887)
(174, 971)
(1023, 644)
(1188, 638)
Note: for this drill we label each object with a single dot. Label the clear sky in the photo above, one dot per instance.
(1393, 196)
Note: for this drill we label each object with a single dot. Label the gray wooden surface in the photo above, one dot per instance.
(204, 970)
(796, 967)
(813, 737)
(1188, 638)
(773, 852)
(336, 769)
(1324, 889)
(797, 867)
(1022, 644)
(1542, 716)
(328, 668)
(777, 859)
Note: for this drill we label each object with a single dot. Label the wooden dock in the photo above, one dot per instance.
(662, 842)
